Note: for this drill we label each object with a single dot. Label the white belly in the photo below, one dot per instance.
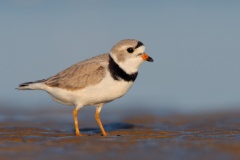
(107, 90)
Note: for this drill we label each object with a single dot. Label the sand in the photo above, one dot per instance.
(48, 133)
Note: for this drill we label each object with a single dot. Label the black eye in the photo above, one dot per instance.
(130, 50)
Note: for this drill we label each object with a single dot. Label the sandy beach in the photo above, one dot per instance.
(48, 133)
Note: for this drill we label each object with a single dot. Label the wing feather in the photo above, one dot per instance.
(82, 74)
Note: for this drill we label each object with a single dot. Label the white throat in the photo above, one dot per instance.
(131, 65)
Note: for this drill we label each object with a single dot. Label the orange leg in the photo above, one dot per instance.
(97, 117)
(75, 117)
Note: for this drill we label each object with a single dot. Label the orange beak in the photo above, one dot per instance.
(145, 57)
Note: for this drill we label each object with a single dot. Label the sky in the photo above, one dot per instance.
(195, 46)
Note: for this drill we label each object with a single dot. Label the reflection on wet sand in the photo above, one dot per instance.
(47, 134)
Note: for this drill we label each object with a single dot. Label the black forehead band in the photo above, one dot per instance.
(139, 44)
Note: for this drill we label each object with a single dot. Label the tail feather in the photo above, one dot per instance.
(29, 85)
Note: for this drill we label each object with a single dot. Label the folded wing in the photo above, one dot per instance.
(81, 75)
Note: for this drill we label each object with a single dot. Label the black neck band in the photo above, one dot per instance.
(118, 73)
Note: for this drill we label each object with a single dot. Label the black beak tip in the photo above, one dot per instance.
(150, 59)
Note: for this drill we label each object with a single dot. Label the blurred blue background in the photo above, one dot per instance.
(195, 45)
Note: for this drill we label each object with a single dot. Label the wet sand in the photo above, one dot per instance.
(48, 133)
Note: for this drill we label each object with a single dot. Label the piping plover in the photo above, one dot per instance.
(95, 81)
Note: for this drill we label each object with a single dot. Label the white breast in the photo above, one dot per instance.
(107, 90)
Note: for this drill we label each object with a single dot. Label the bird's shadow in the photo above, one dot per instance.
(108, 128)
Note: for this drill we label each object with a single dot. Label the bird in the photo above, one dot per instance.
(95, 81)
